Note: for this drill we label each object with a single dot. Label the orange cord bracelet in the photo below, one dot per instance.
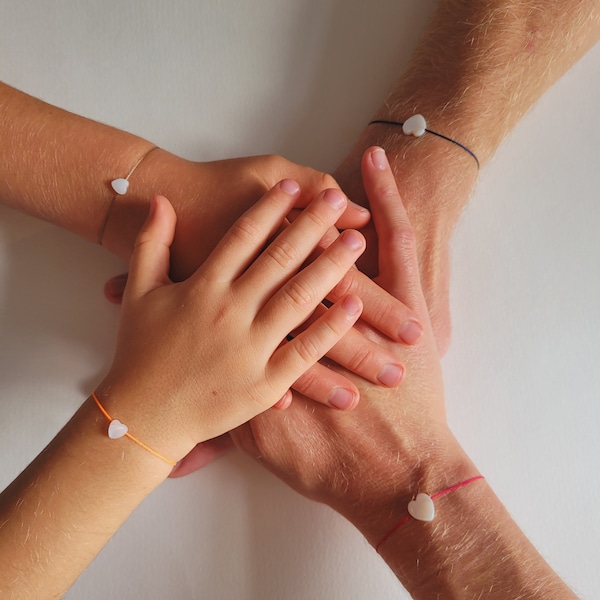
(116, 430)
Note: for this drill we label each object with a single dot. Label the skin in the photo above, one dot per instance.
(478, 68)
(41, 174)
(368, 464)
(495, 63)
(167, 384)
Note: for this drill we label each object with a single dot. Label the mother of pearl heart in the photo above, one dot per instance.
(415, 125)
(116, 429)
(120, 186)
(422, 508)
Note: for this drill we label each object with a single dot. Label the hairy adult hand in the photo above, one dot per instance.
(361, 461)
(435, 180)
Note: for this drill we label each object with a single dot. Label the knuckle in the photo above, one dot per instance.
(300, 293)
(344, 287)
(359, 361)
(318, 220)
(283, 254)
(309, 383)
(327, 181)
(275, 160)
(308, 349)
(247, 230)
(403, 238)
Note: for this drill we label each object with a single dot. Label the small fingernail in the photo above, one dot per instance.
(410, 332)
(353, 239)
(335, 198)
(351, 305)
(358, 207)
(152, 210)
(289, 186)
(390, 375)
(341, 398)
(116, 285)
(379, 159)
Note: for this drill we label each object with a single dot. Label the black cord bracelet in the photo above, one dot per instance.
(417, 126)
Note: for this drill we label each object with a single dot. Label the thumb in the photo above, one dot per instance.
(149, 266)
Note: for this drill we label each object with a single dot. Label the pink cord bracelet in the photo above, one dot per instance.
(421, 508)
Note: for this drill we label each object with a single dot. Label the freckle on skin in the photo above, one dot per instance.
(531, 45)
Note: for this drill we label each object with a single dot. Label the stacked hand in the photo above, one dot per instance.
(359, 462)
(229, 320)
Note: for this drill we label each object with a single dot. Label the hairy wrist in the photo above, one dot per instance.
(480, 66)
(430, 465)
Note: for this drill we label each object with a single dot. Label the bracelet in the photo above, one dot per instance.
(120, 187)
(421, 508)
(117, 430)
(417, 126)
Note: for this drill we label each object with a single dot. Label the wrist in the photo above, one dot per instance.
(150, 418)
(426, 467)
(159, 173)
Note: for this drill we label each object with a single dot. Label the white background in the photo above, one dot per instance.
(218, 79)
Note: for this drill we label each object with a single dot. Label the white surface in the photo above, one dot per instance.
(217, 79)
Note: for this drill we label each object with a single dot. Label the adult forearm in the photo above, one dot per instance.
(478, 68)
(472, 548)
(482, 64)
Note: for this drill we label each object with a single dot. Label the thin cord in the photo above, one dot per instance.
(440, 135)
(109, 210)
(132, 438)
(406, 518)
(455, 487)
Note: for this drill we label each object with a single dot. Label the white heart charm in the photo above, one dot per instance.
(421, 508)
(120, 186)
(415, 125)
(116, 429)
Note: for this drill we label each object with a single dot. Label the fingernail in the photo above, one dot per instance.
(289, 186)
(341, 398)
(116, 286)
(351, 305)
(390, 375)
(335, 198)
(410, 332)
(353, 239)
(152, 210)
(379, 159)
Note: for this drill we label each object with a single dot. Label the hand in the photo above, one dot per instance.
(208, 197)
(227, 188)
(361, 462)
(197, 358)
(435, 181)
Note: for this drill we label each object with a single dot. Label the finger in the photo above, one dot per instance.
(114, 288)
(381, 310)
(328, 387)
(294, 302)
(286, 254)
(249, 234)
(360, 355)
(293, 359)
(398, 266)
(284, 402)
(201, 455)
(354, 217)
(149, 267)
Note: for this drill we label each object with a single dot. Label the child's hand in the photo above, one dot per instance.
(198, 358)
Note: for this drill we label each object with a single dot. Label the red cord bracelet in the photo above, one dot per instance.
(421, 508)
